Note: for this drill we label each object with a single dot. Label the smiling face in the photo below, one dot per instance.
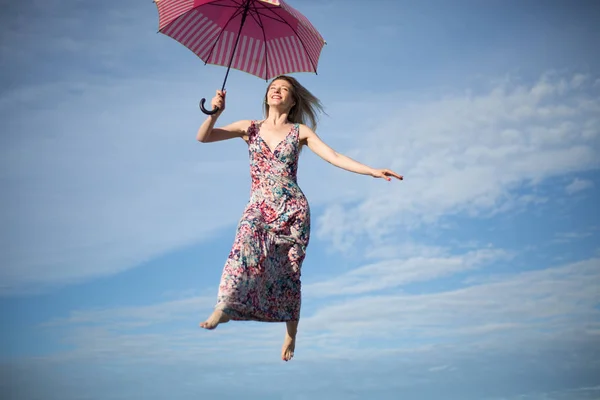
(288, 96)
(280, 94)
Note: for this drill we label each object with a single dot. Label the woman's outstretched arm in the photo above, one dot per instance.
(339, 160)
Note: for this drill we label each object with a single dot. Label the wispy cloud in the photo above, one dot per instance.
(450, 337)
(569, 237)
(500, 311)
(473, 154)
(133, 317)
(397, 272)
(577, 185)
(559, 298)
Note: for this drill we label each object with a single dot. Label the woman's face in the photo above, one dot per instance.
(280, 94)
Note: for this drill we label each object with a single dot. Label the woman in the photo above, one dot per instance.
(261, 278)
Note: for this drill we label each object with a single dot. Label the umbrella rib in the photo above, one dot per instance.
(252, 13)
(265, 40)
(268, 16)
(235, 14)
(299, 38)
(254, 18)
(237, 5)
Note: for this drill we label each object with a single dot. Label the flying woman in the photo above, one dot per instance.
(261, 277)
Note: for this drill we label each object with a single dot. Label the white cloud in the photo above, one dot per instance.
(554, 299)
(501, 311)
(397, 272)
(569, 237)
(578, 80)
(471, 154)
(577, 185)
(132, 317)
(447, 334)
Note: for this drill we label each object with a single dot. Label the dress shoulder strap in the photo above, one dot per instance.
(252, 128)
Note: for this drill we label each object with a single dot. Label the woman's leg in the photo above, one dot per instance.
(289, 343)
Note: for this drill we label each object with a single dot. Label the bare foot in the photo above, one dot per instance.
(289, 343)
(216, 318)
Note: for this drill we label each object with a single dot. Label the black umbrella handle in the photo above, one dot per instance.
(208, 112)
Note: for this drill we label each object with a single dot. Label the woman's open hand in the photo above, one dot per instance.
(386, 174)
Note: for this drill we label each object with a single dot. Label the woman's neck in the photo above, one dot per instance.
(277, 118)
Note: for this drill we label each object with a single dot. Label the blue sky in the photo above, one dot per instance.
(475, 278)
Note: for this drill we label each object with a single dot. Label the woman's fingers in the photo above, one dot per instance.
(392, 173)
(386, 173)
(219, 99)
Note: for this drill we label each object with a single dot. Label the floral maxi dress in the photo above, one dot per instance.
(261, 277)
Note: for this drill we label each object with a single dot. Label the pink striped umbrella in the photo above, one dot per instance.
(265, 38)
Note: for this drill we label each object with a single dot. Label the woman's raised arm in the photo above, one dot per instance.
(207, 132)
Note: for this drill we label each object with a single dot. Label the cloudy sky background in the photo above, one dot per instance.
(475, 278)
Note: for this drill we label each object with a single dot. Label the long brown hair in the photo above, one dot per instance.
(307, 106)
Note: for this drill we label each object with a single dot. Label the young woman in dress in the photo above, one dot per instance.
(261, 277)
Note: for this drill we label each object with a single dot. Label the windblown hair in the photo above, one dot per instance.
(307, 106)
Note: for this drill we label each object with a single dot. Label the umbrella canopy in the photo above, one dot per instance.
(265, 38)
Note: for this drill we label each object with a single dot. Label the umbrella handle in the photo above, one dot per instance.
(205, 111)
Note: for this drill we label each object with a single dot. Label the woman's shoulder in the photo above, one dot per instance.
(304, 131)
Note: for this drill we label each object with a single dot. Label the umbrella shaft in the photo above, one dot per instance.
(237, 39)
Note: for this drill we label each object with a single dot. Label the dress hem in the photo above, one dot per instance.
(235, 315)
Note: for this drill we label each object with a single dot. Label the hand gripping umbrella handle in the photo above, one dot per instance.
(205, 111)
